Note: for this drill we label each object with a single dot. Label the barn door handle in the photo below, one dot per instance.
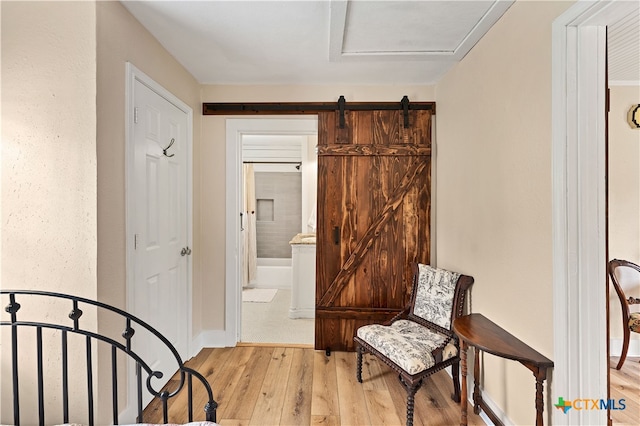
(336, 235)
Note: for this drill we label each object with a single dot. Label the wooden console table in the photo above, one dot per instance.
(483, 334)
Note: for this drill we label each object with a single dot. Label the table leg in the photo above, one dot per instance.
(540, 397)
(477, 396)
(463, 393)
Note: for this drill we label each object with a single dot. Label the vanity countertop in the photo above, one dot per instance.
(303, 239)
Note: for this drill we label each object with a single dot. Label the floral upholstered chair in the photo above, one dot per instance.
(630, 320)
(419, 340)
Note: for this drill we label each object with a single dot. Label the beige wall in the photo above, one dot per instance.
(48, 171)
(493, 211)
(212, 168)
(63, 82)
(624, 195)
(121, 38)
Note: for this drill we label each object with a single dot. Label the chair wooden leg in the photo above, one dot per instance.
(359, 350)
(455, 374)
(625, 347)
(411, 393)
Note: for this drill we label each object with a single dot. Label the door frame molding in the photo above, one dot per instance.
(235, 128)
(578, 198)
(133, 74)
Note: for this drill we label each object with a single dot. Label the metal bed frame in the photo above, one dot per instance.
(131, 323)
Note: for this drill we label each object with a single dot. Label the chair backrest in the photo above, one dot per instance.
(438, 295)
(615, 269)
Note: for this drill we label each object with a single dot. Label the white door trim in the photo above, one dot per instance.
(133, 74)
(235, 128)
(578, 190)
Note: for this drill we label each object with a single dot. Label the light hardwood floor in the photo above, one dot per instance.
(625, 384)
(263, 385)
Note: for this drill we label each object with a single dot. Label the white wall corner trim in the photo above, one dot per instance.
(578, 191)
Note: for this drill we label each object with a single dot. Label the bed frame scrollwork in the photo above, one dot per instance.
(15, 300)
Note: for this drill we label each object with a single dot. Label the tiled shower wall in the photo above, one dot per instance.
(278, 212)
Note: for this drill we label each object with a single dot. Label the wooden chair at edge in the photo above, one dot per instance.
(630, 320)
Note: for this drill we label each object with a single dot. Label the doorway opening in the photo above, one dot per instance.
(278, 172)
(268, 159)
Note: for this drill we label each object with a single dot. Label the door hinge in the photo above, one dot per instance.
(135, 241)
(135, 115)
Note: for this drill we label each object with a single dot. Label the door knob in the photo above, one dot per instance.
(185, 251)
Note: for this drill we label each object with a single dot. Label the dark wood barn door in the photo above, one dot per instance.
(374, 180)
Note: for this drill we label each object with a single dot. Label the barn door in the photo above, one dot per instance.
(373, 217)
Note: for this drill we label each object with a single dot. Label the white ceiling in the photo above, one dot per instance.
(362, 42)
(318, 41)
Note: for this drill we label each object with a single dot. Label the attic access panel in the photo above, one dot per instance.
(409, 30)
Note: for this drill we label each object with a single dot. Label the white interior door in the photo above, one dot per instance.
(161, 253)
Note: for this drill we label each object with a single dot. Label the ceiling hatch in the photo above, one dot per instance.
(409, 30)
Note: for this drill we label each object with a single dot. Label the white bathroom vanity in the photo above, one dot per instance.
(303, 283)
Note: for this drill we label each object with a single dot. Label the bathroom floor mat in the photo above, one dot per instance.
(259, 295)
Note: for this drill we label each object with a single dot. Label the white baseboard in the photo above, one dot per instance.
(483, 416)
(493, 407)
(485, 397)
(270, 284)
(128, 415)
(295, 313)
(211, 339)
(615, 347)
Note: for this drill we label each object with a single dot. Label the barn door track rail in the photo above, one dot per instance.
(294, 108)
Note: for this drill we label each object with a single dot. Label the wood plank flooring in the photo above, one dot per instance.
(265, 385)
(625, 384)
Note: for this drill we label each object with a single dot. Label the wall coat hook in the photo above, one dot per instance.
(164, 151)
